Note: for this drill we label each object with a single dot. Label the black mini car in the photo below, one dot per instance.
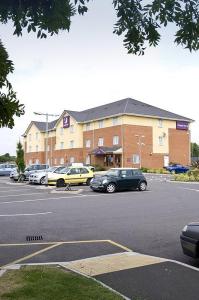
(119, 179)
(190, 239)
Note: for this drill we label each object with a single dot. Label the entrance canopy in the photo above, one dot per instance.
(107, 150)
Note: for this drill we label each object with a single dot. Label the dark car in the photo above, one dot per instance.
(190, 239)
(119, 179)
(177, 168)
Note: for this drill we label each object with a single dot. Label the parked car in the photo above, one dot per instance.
(71, 175)
(40, 176)
(119, 179)
(177, 168)
(5, 169)
(190, 240)
(29, 170)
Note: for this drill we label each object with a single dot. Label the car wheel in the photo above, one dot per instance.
(111, 188)
(142, 186)
(43, 180)
(60, 183)
(88, 181)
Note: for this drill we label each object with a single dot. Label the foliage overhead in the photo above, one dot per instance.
(194, 150)
(6, 158)
(139, 24)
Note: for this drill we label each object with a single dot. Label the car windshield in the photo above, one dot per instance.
(112, 172)
(62, 171)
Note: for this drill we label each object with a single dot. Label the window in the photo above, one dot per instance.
(137, 172)
(37, 148)
(72, 159)
(30, 148)
(100, 142)
(160, 140)
(126, 173)
(101, 123)
(36, 135)
(72, 144)
(84, 171)
(62, 145)
(30, 137)
(115, 121)
(30, 162)
(136, 159)
(88, 143)
(115, 140)
(74, 171)
(88, 126)
(61, 161)
(88, 161)
(48, 148)
(61, 131)
(160, 123)
(55, 161)
(71, 128)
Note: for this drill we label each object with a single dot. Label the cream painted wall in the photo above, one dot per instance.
(33, 142)
(106, 123)
(67, 136)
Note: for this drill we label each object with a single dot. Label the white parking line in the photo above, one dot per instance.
(18, 195)
(13, 190)
(18, 215)
(195, 190)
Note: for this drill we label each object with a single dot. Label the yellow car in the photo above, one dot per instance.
(71, 175)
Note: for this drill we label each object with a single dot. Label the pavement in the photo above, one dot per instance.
(128, 241)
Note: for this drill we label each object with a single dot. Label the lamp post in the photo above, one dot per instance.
(46, 142)
(140, 144)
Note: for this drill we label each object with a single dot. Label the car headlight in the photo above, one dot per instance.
(91, 180)
(185, 229)
(104, 181)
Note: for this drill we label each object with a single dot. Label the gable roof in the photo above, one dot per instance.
(124, 106)
(41, 126)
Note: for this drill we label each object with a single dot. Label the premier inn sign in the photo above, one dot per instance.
(66, 122)
(182, 125)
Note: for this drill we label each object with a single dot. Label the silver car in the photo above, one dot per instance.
(40, 176)
(6, 168)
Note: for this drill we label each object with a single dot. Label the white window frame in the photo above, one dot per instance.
(100, 142)
(160, 123)
(30, 136)
(48, 148)
(136, 159)
(88, 159)
(30, 148)
(88, 143)
(161, 141)
(72, 159)
(62, 145)
(37, 161)
(72, 128)
(62, 161)
(72, 144)
(115, 121)
(61, 130)
(115, 140)
(55, 161)
(101, 123)
(36, 135)
(37, 148)
(88, 126)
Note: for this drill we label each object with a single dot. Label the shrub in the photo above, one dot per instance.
(145, 170)
(99, 168)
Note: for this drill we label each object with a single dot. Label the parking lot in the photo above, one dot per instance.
(41, 225)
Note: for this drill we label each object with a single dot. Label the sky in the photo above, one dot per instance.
(89, 66)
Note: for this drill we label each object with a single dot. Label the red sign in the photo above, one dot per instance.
(66, 122)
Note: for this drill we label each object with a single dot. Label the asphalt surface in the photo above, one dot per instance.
(147, 222)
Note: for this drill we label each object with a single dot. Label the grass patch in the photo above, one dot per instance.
(50, 283)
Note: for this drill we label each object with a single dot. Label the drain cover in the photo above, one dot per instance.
(34, 238)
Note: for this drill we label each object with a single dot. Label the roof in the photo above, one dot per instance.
(42, 125)
(124, 106)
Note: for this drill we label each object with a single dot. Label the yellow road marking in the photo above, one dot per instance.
(31, 255)
(111, 263)
(120, 246)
